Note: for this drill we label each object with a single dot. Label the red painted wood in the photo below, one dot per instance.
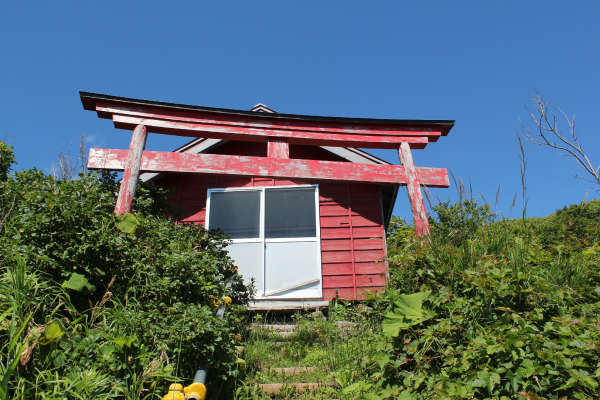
(258, 182)
(367, 232)
(369, 255)
(334, 188)
(156, 161)
(340, 281)
(106, 109)
(414, 191)
(342, 293)
(334, 232)
(365, 198)
(370, 268)
(191, 122)
(370, 280)
(375, 243)
(333, 210)
(335, 244)
(417, 140)
(278, 148)
(192, 195)
(336, 256)
(337, 269)
(366, 220)
(351, 236)
(335, 222)
(287, 182)
(132, 161)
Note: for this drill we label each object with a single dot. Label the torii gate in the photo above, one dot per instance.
(279, 131)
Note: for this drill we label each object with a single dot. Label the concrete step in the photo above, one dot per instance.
(274, 388)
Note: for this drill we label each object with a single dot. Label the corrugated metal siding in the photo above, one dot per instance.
(352, 234)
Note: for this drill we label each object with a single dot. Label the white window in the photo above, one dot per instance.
(275, 237)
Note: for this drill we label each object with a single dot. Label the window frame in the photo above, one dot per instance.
(261, 239)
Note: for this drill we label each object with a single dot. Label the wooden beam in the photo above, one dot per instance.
(269, 121)
(278, 148)
(156, 161)
(414, 190)
(367, 139)
(132, 162)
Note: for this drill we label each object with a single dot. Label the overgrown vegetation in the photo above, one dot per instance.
(506, 310)
(95, 307)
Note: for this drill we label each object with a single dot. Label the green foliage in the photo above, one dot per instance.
(117, 306)
(497, 314)
(572, 226)
(7, 159)
(405, 311)
(339, 351)
(456, 222)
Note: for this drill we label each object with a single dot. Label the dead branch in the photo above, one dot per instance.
(548, 133)
(67, 169)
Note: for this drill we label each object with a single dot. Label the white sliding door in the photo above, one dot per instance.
(238, 214)
(292, 267)
(275, 237)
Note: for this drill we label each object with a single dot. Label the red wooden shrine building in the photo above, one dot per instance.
(305, 208)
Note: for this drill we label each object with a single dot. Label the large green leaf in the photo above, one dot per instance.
(405, 395)
(406, 311)
(75, 282)
(128, 223)
(124, 341)
(53, 332)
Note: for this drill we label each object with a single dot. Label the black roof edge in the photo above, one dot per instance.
(99, 96)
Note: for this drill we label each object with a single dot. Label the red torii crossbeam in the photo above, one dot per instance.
(279, 131)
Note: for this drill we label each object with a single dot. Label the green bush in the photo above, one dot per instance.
(575, 226)
(135, 303)
(497, 315)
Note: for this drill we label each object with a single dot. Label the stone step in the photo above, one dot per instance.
(294, 370)
(275, 328)
(347, 325)
(281, 344)
(274, 388)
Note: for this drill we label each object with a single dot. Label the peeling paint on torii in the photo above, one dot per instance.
(279, 131)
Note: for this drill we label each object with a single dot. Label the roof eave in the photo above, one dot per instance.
(89, 99)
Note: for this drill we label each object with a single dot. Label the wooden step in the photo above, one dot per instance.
(294, 370)
(281, 344)
(273, 388)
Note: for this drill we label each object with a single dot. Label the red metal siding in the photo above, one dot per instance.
(352, 234)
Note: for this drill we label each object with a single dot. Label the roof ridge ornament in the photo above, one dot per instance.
(260, 107)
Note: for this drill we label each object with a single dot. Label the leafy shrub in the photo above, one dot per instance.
(575, 226)
(497, 315)
(461, 220)
(132, 301)
(7, 158)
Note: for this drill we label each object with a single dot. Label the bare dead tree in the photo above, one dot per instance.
(548, 133)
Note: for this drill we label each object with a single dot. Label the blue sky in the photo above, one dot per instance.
(474, 62)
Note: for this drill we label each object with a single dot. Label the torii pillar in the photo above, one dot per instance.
(415, 195)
